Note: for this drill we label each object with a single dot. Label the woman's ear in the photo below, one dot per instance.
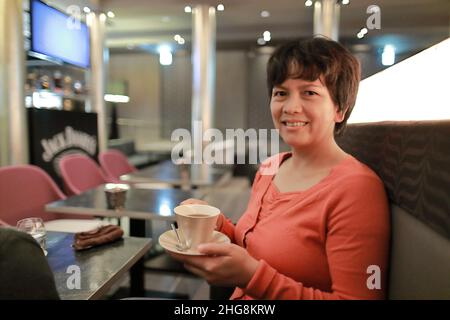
(340, 115)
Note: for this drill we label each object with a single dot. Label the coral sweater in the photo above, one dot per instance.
(321, 243)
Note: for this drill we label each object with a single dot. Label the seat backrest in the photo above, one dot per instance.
(80, 173)
(413, 160)
(114, 164)
(24, 192)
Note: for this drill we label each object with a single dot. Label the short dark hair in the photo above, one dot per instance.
(313, 58)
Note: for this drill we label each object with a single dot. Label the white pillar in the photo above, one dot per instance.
(326, 18)
(13, 123)
(99, 56)
(203, 71)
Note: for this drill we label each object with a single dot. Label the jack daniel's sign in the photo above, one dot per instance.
(56, 133)
(68, 139)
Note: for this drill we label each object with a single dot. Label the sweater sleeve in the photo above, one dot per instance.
(226, 227)
(356, 244)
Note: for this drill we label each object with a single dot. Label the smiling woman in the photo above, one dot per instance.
(307, 232)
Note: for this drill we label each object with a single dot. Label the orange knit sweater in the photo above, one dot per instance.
(321, 243)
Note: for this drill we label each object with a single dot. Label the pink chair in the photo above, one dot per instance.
(80, 173)
(114, 164)
(24, 192)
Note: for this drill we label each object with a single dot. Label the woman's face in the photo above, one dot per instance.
(304, 113)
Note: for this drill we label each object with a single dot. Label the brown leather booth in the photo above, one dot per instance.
(413, 160)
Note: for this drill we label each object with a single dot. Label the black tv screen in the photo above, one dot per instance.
(58, 36)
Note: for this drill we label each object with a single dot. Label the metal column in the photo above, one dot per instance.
(326, 18)
(13, 123)
(203, 73)
(99, 57)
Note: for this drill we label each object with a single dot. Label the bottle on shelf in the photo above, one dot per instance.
(58, 81)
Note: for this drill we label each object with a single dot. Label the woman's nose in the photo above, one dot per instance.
(293, 105)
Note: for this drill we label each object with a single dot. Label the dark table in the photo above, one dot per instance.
(140, 205)
(99, 267)
(143, 204)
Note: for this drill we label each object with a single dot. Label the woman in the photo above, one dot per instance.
(317, 228)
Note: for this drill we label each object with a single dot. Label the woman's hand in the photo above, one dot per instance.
(223, 265)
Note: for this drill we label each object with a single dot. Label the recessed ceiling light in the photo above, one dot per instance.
(86, 9)
(308, 3)
(181, 41)
(266, 36)
(265, 14)
(345, 2)
(261, 41)
(360, 35)
(176, 37)
(187, 9)
(220, 7)
(364, 31)
(110, 14)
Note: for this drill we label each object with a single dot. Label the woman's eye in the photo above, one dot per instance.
(310, 93)
(279, 93)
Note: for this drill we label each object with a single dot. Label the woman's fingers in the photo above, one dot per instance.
(215, 249)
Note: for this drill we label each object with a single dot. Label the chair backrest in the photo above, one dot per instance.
(24, 192)
(412, 159)
(80, 173)
(114, 164)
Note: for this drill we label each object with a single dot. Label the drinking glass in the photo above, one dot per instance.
(36, 228)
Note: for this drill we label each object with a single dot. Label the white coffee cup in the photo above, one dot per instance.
(196, 223)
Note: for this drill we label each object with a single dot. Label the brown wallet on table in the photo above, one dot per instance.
(99, 236)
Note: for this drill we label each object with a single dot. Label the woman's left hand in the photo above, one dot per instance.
(222, 265)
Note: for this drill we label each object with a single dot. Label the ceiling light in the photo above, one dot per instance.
(116, 98)
(187, 9)
(265, 14)
(345, 2)
(364, 31)
(181, 41)
(110, 14)
(360, 35)
(266, 36)
(220, 7)
(177, 37)
(308, 3)
(86, 9)
(261, 41)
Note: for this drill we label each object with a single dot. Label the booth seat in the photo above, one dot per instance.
(413, 160)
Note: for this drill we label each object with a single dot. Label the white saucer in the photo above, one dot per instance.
(168, 240)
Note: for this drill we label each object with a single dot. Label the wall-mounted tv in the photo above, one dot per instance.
(58, 37)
